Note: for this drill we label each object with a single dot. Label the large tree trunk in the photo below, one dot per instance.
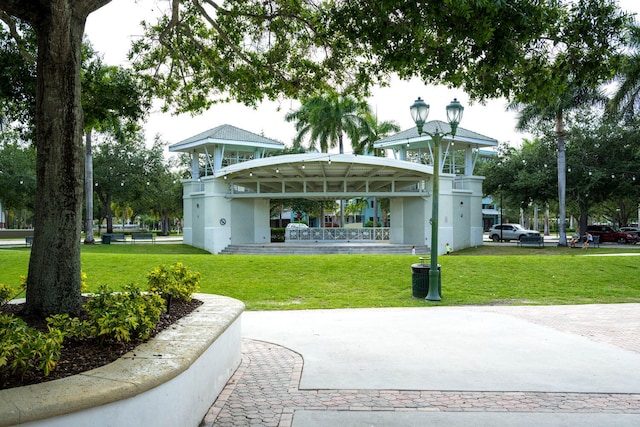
(164, 223)
(584, 215)
(53, 283)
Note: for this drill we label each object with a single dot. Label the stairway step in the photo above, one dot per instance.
(320, 249)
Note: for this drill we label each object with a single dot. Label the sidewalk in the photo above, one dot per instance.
(440, 366)
(20, 243)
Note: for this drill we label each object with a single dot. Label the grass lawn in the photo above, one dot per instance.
(484, 275)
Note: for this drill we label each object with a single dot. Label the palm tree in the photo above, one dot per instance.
(125, 212)
(356, 206)
(572, 98)
(373, 131)
(326, 118)
(626, 100)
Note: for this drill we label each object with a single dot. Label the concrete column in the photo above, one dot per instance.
(468, 161)
(195, 165)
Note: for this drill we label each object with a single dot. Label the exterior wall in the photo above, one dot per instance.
(368, 212)
(447, 220)
(396, 231)
(217, 216)
(476, 229)
(261, 224)
(242, 225)
(416, 229)
(461, 215)
(192, 198)
(250, 221)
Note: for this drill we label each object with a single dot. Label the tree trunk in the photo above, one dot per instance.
(584, 216)
(562, 185)
(164, 223)
(108, 214)
(546, 221)
(53, 283)
(88, 192)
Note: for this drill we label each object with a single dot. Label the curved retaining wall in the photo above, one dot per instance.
(172, 380)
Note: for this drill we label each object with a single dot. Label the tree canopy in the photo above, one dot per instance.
(603, 160)
(205, 52)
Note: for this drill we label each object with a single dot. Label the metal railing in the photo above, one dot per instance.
(368, 234)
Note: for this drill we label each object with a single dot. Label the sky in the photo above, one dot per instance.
(112, 28)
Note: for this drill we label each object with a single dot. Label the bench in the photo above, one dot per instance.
(115, 237)
(28, 240)
(143, 237)
(531, 240)
(595, 243)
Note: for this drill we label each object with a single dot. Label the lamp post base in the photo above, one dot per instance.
(434, 285)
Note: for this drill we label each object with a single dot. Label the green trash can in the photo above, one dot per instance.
(106, 239)
(420, 280)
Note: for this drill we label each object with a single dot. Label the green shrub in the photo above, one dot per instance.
(71, 327)
(113, 316)
(123, 316)
(24, 349)
(6, 293)
(175, 281)
(370, 224)
(277, 235)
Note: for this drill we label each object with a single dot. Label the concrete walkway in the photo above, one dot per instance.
(437, 366)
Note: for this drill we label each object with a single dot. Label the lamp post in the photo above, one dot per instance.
(419, 113)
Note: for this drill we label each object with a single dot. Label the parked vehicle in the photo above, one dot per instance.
(633, 230)
(297, 226)
(610, 234)
(509, 232)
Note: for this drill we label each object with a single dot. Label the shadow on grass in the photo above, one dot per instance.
(548, 249)
(144, 248)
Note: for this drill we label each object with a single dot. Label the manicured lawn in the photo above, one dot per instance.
(485, 275)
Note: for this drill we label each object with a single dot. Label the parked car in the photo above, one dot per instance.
(296, 226)
(632, 230)
(508, 232)
(610, 234)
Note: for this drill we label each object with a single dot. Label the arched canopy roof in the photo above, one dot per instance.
(464, 138)
(324, 176)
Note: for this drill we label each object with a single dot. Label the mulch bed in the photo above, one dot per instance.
(83, 355)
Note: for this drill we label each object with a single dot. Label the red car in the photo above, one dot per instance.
(609, 234)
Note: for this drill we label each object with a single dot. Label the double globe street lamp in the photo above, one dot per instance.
(419, 113)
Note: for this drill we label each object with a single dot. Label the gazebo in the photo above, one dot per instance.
(235, 173)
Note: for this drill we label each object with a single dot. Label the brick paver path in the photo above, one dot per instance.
(264, 390)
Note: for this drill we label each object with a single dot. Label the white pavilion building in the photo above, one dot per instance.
(235, 173)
